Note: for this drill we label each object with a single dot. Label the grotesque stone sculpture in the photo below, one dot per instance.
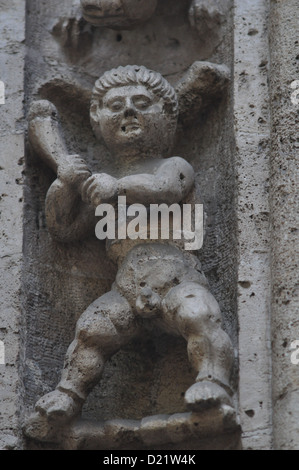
(204, 15)
(76, 34)
(135, 111)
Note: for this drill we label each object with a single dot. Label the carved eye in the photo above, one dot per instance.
(116, 105)
(142, 102)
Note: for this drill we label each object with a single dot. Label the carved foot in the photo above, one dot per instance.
(58, 406)
(38, 428)
(203, 395)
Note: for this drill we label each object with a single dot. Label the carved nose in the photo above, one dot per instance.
(130, 112)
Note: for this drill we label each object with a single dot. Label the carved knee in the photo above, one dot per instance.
(192, 308)
(97, 330)
(107, 323)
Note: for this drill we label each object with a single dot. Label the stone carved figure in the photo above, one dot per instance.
(125, 14)
(205, 16)
(135, 111)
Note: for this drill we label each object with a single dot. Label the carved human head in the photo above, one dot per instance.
(134, 108)
(117, 14)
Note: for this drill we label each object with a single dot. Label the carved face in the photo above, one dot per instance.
(132, 118)
(117, 14)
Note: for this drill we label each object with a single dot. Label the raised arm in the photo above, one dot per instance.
(68, 218)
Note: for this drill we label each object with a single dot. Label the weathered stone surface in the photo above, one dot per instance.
(252, 134)
(186, 429)
(284, 210)
(240, 141)
(207, 19)
(62, 66)
(200, 88)
(135, 111)
(118, 14)
(12, 35)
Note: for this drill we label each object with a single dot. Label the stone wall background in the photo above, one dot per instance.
(284, 174)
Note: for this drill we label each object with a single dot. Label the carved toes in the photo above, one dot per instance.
(203, 395)
(57, 406)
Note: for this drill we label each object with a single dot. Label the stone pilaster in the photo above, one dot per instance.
(284, 178)
(252, 132)
(12, 36)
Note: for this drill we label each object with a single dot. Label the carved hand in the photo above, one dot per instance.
(99, 188)
(73, 171)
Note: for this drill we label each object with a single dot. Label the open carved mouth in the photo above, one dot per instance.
(130, 127)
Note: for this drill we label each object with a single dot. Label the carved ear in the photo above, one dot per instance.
(94, 113)
(203, 85)
(94, 119)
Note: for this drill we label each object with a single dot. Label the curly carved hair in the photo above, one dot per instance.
(136, 75)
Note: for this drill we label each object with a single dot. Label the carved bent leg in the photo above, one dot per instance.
(105, 326)
(195, 314)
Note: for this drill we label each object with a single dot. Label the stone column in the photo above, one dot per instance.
(284, 48)
(252, 134)
(12, 35)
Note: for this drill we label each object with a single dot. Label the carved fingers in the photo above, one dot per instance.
(73, 171)
(99, 188)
